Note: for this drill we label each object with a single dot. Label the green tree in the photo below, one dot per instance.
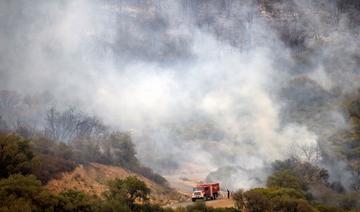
(122, 150)
(110, 205)
(290, 204)
(326, 208)
(73, 200)
(238, 198)
(256, 201)
(272, 199)
(285, 179)
(128, 190)
(278, 192)
(24, 193)
(50, 158)
(15, 155)
(46, 167)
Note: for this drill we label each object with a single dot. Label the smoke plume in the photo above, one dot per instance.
(201, 85)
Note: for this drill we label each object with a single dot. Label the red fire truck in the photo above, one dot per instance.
(205, 191)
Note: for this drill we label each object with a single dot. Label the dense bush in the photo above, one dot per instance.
(47, 167)
(50, 158)
(286, 179)
(312, 181)
(15, 155)
(302, 173)
(272, 193)
(326, 208)
(272, 199)
(201, 207)
(256, 202)
(297, 186)
(73, 200)
(45, 146)
(24, 193)
(41, 157)
(46, 158)
(128, 191)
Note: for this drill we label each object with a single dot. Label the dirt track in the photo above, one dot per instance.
(219, 203)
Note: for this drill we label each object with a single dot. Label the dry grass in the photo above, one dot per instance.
(91, 179)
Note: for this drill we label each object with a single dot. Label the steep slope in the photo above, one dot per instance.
(91, 179)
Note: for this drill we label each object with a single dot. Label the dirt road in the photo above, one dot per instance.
(219, 203)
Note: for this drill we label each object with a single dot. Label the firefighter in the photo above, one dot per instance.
(228, 193)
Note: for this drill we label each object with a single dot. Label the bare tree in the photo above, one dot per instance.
(308, 153)
(61, 126)
(90, 127)
(70, 124)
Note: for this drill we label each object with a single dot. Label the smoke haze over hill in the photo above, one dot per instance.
(201, 85)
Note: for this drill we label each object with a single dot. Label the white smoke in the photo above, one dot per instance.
(194, 103)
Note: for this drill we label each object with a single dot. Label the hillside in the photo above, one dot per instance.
(91, 179)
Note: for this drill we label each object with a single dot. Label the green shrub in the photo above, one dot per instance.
(272, 193)
(128, 191)
(73, 200)
(326, 208)
(285, 179)
(15, 155)
(272, 199)
(24, 193)
(47, 167)
(255, 201)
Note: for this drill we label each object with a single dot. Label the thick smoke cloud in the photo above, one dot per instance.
(200, 84)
